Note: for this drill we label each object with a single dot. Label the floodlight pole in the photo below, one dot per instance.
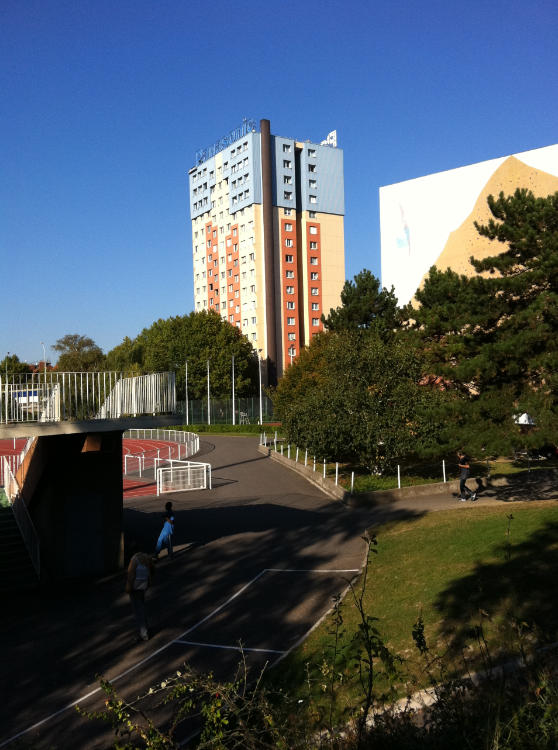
(208, 399)
(233, 388)
(260, 365)
(187, 392)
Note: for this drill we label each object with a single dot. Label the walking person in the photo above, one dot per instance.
(165, 537)
(140, 576)
(464, 471)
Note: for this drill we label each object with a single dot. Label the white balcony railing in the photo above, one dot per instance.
(62, 396)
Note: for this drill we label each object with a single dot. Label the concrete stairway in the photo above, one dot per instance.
(16, 569)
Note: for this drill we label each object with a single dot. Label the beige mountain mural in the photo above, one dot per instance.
(466, 241)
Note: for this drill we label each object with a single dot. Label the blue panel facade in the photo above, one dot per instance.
(321, 180)
(244, 172)
(201, 201)
(283, 175)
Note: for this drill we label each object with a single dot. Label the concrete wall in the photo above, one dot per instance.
(77, 506)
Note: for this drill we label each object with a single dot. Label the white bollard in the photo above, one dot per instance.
(297, 454)
(336, 473)
(314, 469)
(306, 458)
(352, 481)
(444, 469)
(398, 477)
(324, 468)
(289, 450)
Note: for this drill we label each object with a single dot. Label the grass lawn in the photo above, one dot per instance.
(447, 566)
(250, 430)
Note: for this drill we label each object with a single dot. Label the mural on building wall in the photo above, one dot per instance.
(441, 210)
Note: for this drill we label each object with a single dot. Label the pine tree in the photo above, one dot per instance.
(493, 337)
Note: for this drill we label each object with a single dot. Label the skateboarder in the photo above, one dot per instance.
(464, 471)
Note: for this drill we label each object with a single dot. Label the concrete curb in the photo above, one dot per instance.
(384, 497)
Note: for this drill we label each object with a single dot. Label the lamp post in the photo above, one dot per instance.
(44, 357)
(234, 422)
(208, 400)
(186, 365)
(260, 365)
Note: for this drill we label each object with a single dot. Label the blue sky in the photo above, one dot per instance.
(104, 103)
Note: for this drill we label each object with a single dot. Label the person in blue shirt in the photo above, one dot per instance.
(165, 537)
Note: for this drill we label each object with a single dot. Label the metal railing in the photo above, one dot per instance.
(141, 462)
(246, 410)
(182, 476)
(22, 517)
(61, 396)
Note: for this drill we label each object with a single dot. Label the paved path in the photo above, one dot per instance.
(245, 567)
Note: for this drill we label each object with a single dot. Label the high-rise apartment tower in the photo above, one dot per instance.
(267, 235)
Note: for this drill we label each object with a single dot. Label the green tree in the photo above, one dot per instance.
(13, 364)
(197, 337)
(364, 305)
(352, 395)
(78, 354)
(493, 337)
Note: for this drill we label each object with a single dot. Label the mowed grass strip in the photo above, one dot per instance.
(447, 566)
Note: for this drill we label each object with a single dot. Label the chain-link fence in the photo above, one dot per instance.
(246, 411)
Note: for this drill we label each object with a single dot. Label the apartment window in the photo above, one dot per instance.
(288, 243)
(215, 262)
(203, 275)
(289, 258)
(312, 153)
(315, 306)
(231, 318)
(235, 248)
(313, 199)
(313, 261)
(211, 287)
(252, 272)
(290, 290)
(253, 289)
(313, 276)
(245, 145)
(253, 321)
(290, 274)
(315, 321)
(237, 310)
(254, 337)
(215, 233)
(235, 232)
(292, 336)
(237, 294)
(246, 194)
(288, 180)
(231, 303)
(236, 279)
(233, 169)
(229, 257)
(198, 290)
(290, 321)
(251, 256)
(211, 174)
(313, 230)
(223, 290)
(288, 196)
(235, 200)
(314, 246)
(286, 148)
(229, 242)
(288, 227)
(205, 303)
(243, 260)
(217, 306)
(233, 184)
(311, 167)
(288, 211)
(314, 291)
(225, 166)
(312, 184)
(209, 258)
(208, 243)
(230, 287)
(290, 305)
(246, 161)
(235, 262)
(286, 164)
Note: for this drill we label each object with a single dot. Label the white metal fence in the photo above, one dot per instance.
(145, 461)
(59, 396)
(22, 517)
(181, 476)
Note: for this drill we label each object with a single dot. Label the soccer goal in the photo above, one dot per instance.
(181, 476)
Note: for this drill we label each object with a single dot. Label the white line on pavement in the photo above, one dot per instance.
(232, 648)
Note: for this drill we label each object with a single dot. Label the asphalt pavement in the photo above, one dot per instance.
(257, 560)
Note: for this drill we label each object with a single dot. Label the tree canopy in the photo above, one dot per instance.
(351, 395)
(493, 337)
(364, 305)
(197, 337)
(13, 364)
(78, 354)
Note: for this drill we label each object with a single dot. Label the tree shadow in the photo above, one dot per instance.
(523, 588)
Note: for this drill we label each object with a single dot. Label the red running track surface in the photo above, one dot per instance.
(134, 486)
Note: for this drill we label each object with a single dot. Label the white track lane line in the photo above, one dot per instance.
(163, 648)
(232, 648)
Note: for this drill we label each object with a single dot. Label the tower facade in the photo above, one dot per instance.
(267, 236)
